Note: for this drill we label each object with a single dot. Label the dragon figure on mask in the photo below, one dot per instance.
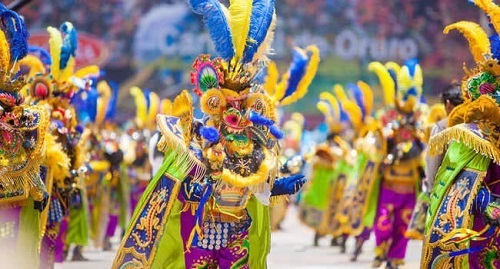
(207, 206)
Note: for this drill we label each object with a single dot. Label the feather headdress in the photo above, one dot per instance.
(13, 48)
(481, 80)
(331, 109)
(402, 85)
(349, 106)
(147, 104)
(237, 32)
(296, 81)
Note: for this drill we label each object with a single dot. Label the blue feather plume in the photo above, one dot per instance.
(17, 34)
(276, 132)
(258, 119)
(357, 93)
(495, 45)
(411, 64)
(69, 45)
(210, 134)
(217, 24)
(113, 102)
(147, 95)
(296, 71)
(260, 21)
(42, 54)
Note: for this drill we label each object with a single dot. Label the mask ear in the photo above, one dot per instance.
(212, 102)
(262, 104)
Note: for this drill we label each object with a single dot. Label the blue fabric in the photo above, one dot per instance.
(288, 185)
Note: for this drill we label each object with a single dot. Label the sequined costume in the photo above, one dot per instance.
(402, 169)
(356, 213)
(330, 166)
(51, 85)
(462, 222)
(23, 130)
(207, 207)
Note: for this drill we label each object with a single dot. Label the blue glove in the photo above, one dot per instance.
(191, 192)
(288, 185)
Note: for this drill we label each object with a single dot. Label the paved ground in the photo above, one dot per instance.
(291, 248)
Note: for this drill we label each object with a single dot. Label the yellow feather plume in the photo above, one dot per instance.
(140, 104)
(393, 66)
(492, 10)
(166, 107)
(325, 108)
(91, 70)
(386, 81)
(55, 43)
(281, 87)
(67, 72)
(4, 52)
(479, 43)
(437, 112)
(271, 78)
(368, 96)
(102, 102)
(334, 104)
(35, 65)
(350, 107)
(266, 46)
(240, 11)
(154, 103)
(56, 159)
(309, 75)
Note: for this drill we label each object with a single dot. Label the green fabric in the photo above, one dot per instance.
(124, 197)
(260, 233)
(78, 226)
(458, 157)
(29, 235)
(316, 195)
(169, 252)
(371, 211)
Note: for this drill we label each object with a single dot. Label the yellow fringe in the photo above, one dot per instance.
(257, 178)
(460, 133)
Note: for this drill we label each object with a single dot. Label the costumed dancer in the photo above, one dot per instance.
(67, 216)
(402, 168)
(23, 195)
(302, 71)
(434, 117)
(327, 163)
(462, 223)
(357, 210)
(207, 207)
(106, 187)
(135, 146)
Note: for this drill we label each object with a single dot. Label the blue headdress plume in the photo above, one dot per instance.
(296, 71)
(69, 44)
(42, 54)
(260, 21)
(16, 33)
(214, 17)
(113, 102)
(357, 93)
(85, 103)
(147, 93)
